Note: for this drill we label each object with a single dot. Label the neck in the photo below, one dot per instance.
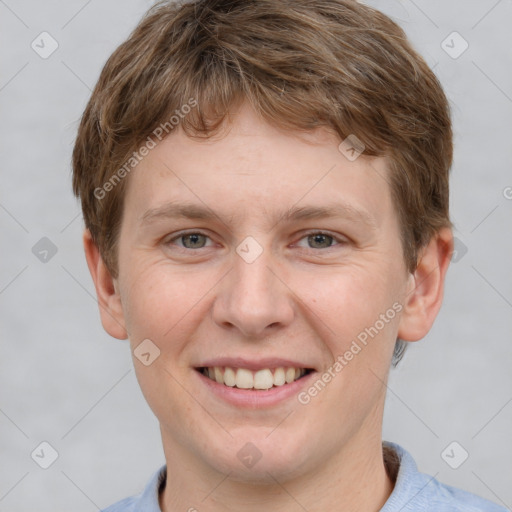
(354, 479)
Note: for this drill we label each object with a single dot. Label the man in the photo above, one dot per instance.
(265, 191)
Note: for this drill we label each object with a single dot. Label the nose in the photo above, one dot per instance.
(254, 298)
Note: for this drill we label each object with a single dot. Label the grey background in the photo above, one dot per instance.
(65, 381)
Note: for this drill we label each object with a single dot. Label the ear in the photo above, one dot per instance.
(109, 300)
(425, 293)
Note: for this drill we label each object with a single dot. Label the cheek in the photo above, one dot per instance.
(357, 312)
(146, 302)
(165, 307)
(163, 303)
(348, 300)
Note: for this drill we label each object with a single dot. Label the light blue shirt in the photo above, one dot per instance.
(413, 492)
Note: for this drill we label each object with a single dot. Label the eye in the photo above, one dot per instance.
(194, 240)
(198, 240)
(321, 240)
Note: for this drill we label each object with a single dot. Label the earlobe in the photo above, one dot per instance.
(107, 292)
(425, 293)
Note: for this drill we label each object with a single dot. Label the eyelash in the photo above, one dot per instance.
(306, 235)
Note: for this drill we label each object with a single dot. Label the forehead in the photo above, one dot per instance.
(254, 168)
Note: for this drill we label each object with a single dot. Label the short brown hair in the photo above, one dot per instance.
(301, 64)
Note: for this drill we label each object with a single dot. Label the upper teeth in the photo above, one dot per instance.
(247, 379)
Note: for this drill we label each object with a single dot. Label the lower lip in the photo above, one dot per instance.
(256, 398)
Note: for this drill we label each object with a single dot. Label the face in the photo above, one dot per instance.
(261, 258)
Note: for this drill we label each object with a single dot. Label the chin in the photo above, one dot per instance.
(261, 462)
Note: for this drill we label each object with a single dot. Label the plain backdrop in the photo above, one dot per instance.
(64, 381)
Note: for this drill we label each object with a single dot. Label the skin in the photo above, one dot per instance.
(303, 298)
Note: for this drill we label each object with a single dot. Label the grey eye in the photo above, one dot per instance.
(319, 240)
(197, 240)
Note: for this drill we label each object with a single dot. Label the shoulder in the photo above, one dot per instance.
(147, 500)
(126, 505)
(419, 492)
(458, 500)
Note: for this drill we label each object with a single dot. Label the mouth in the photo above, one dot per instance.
(260, 380)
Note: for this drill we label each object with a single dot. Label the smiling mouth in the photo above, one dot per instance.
(263, 379)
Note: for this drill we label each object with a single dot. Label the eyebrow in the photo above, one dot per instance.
(192, 211)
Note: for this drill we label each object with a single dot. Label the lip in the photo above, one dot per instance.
(255, 399)
(251, 364)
